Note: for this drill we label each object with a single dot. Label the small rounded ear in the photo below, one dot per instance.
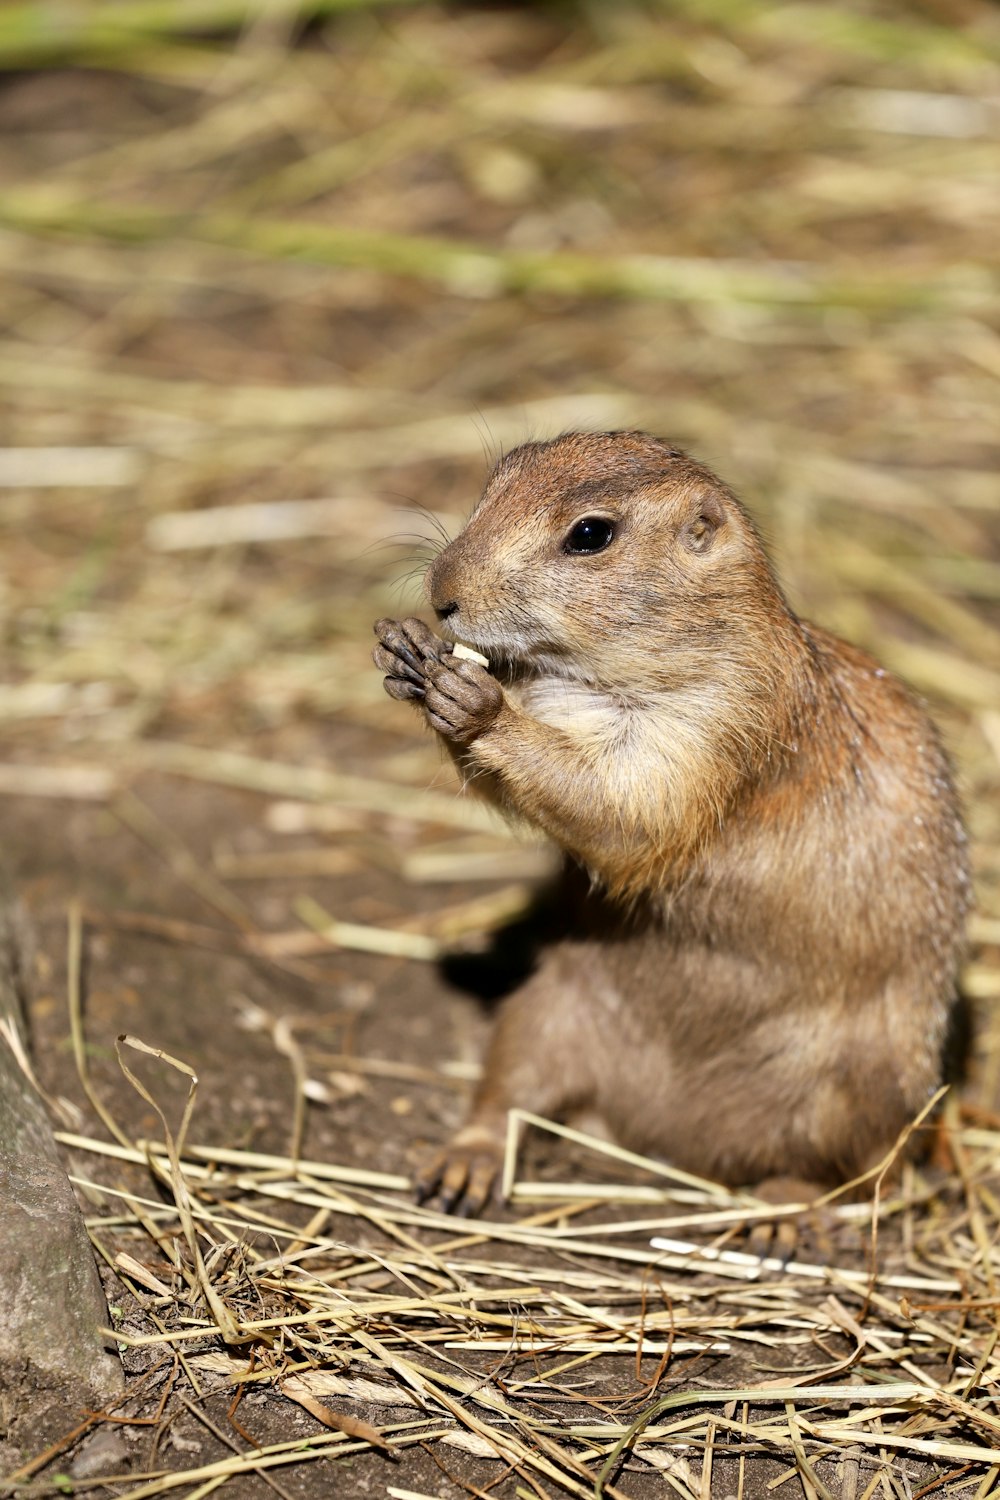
(708, 516)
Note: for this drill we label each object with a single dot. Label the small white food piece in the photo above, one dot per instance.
(466, 653)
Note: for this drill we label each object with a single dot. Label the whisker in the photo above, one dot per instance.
(424, 511)
(418, 568)
(397, 590)
(492, 450)
(429, 552)
(440, 528)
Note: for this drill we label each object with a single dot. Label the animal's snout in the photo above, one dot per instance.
(442, 586)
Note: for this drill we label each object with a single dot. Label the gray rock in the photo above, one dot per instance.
(104, 1453)
(54, 1355)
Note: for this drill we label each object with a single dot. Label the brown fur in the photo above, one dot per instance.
(760, 979)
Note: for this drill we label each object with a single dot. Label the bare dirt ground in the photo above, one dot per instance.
(267, 293)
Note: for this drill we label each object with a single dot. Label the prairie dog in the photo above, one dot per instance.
(758, 983)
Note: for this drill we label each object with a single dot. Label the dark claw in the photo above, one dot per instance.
(403, 669)
(402, 689)
(405, 654)
(388, 662)
(429, 646)
(394, 642)
(427, 1180)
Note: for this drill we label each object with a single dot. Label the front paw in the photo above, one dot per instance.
(404, 650)
(461, 699)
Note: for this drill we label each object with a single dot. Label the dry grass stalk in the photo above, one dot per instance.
(545, 1320)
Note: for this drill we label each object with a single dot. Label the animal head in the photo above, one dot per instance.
(603, 556)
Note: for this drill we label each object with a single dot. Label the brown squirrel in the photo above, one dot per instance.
(759, 984)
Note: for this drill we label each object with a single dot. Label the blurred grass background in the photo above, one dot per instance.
(274, 275)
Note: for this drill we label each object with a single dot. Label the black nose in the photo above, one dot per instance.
(444, 610)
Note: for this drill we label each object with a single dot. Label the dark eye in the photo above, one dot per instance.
(592, 534)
